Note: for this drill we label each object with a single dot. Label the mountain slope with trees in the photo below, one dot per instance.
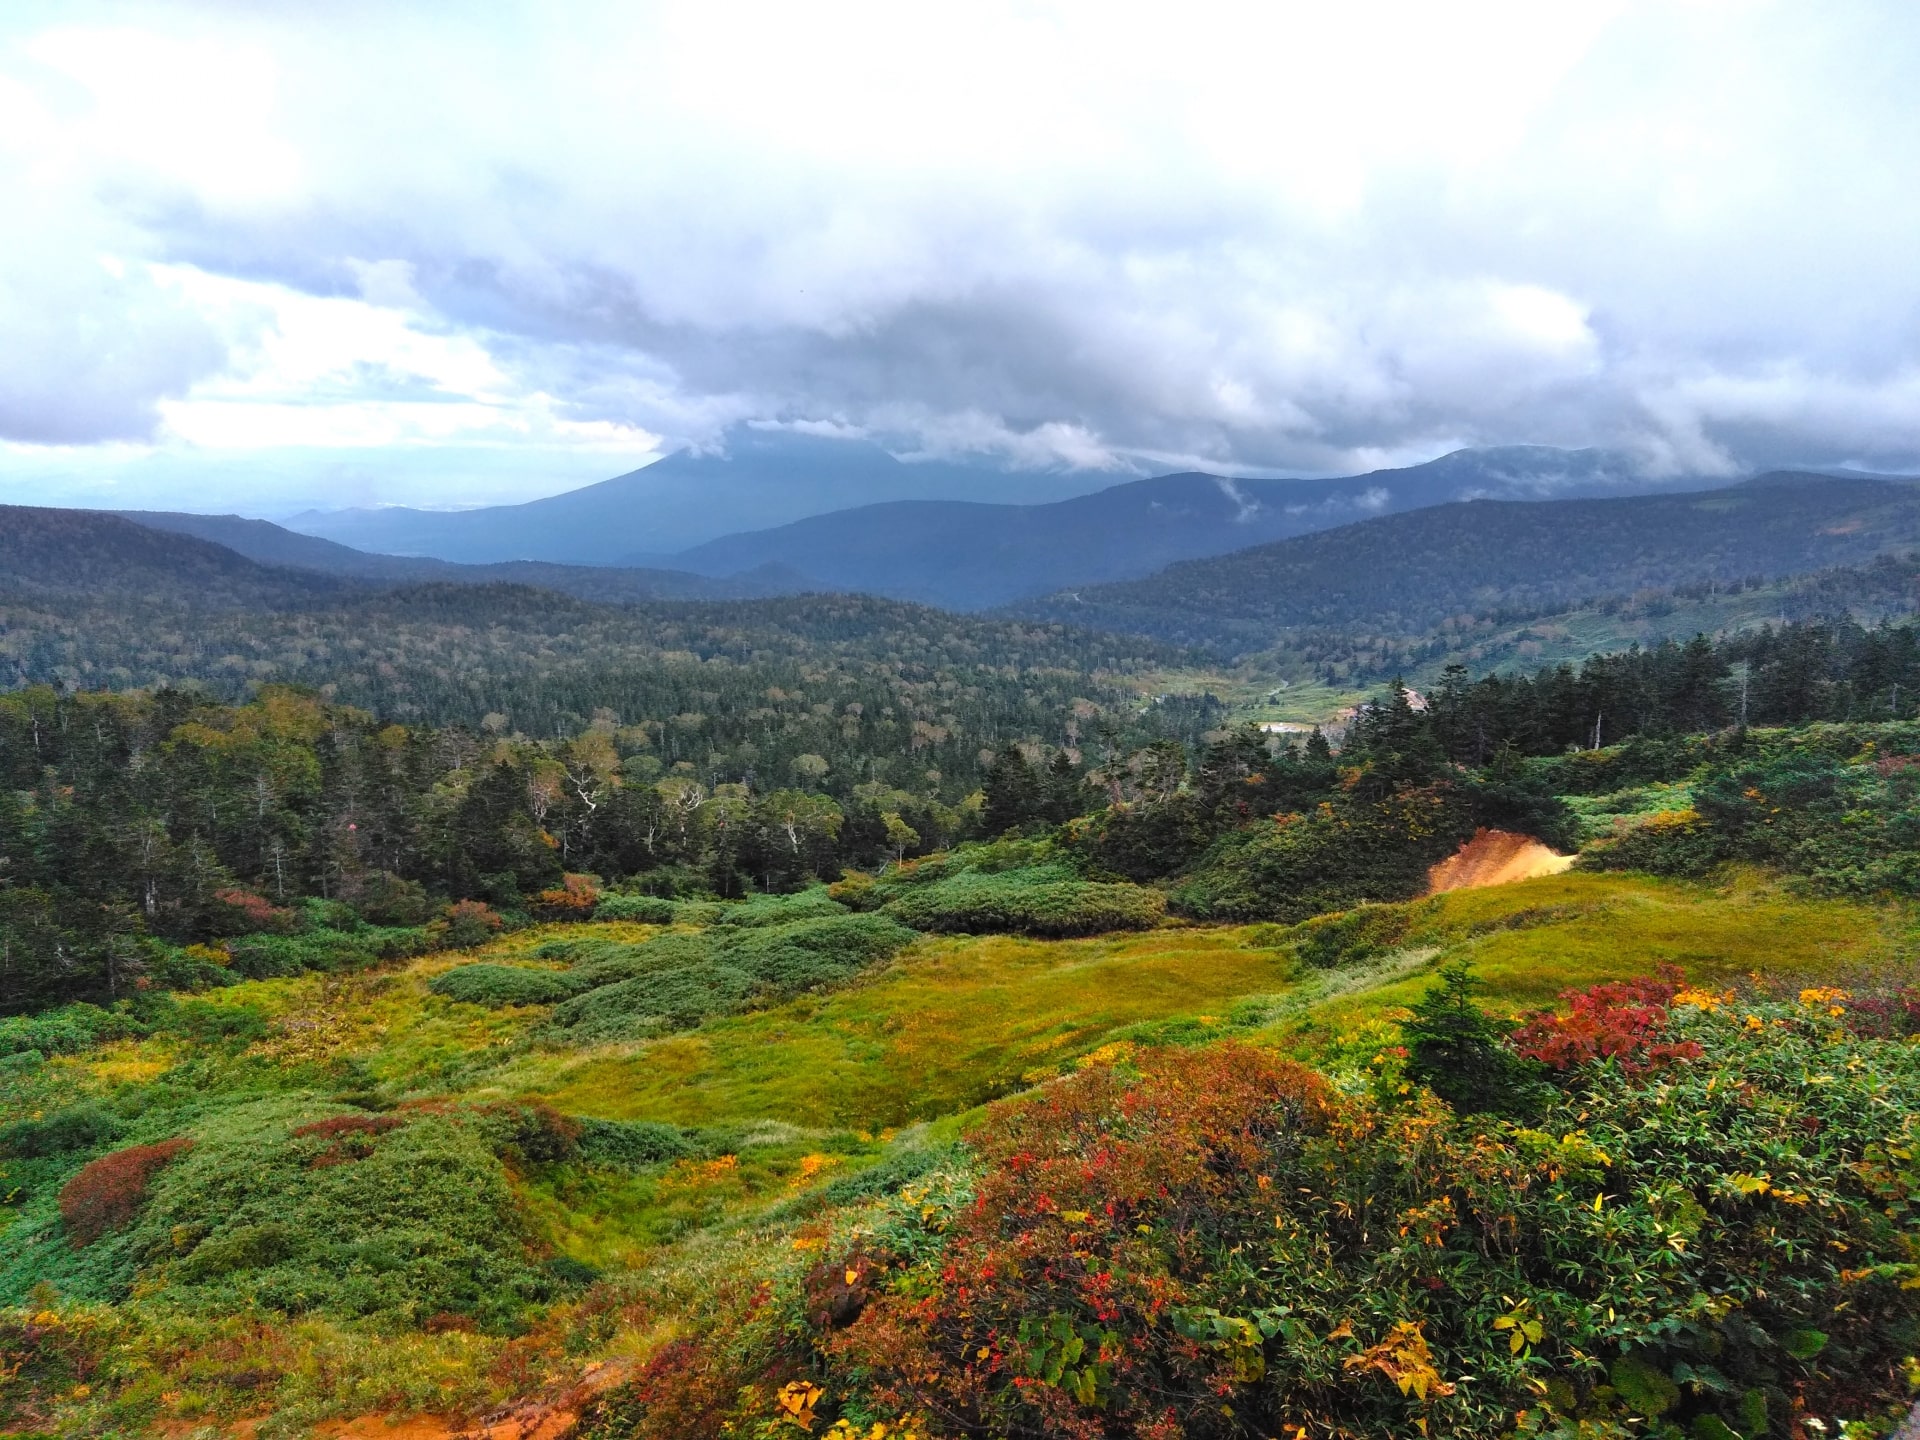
(969, 556)
(1406, 574)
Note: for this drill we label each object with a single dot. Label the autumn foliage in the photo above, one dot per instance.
(1626, 1022)
(106, 1194)
(572, 899)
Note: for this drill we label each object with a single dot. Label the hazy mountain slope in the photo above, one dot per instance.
(763, 479)
(271, 544)
(970, 556)
(1406, 573)
(88, 553)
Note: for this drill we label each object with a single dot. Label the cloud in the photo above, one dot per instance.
(1281, 238)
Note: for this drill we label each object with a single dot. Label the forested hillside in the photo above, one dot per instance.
(1407, 574)
(969, 556)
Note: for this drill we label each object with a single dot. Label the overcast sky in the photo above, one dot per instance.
(261, 256)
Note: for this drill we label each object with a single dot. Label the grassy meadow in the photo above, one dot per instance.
(776, 1120)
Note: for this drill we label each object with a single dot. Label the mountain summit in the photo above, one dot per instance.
(763, 478)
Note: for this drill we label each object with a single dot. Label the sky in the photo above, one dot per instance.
(269, 256)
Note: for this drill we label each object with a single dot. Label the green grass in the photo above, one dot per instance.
(954, 1023)
(807, 1094)
(1531, 940)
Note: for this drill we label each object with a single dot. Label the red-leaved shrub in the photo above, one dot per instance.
(1624, 1021)
(337, 1125)
(243, 912)
(107, 1192)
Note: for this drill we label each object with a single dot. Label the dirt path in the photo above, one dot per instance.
(1494, 857)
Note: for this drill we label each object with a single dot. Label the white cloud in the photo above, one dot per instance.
(1283, 236)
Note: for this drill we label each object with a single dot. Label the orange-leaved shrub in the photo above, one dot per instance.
(466, 923)
(107, 1192)
(572, 899)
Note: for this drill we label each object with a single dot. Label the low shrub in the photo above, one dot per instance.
(1331, 858)
(467, 923)
(1625, 1022)
(673, 982)
(574, 898)
(645, 909)
(1218, 1243)
(1668, 842)
(346, 1214)
(812, 904)
(633, 1144)
(1849, 820)
(107, 1193)
(238, 911)
(67, 1030)
(86, 1126)
(1021, 902)
(1350, 937)
(262, 957)
(501, 985)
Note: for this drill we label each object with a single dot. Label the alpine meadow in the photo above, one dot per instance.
(959, 723)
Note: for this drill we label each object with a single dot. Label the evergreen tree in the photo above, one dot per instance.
(1459, 1051)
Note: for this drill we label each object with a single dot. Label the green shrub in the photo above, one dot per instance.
(646, 909)
(671, 999)
(811, 904)
(65, 1031)
(673, 982)
(1027, 902)
(85, 1126)
(633, 1144)
(366, 1218)
(1349, 937)
(260, 957)
(1332, 858)
(500, 985)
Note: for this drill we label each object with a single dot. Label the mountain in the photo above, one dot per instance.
(271, 544)
(84, 554)
(1406, 574)
(973, 556)
(764, 478)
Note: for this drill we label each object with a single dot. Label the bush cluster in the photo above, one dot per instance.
(1333, 857)
(612, 991)
(674, 982)
(1704, 1232)
(1849, 823)
(498, 985)
(1027, 902)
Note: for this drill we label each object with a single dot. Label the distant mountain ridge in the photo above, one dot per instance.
(973, 556)
(270, 544)
(853, 517)
(1407, 573)
(763, 478)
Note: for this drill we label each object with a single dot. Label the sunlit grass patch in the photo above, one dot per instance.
(1531, 940)
(954, 1023)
